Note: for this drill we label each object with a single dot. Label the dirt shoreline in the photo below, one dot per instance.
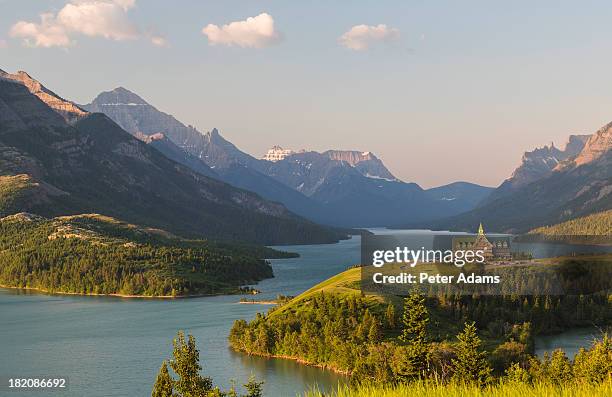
(258, 303)
(300, 361)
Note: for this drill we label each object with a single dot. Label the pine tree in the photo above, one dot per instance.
(390, 316)
(414, 319)
(186, 364)
(595, 364)
(414, 333)
(163, 386)
(517, 374)
(471, 366)
(374, 334)
(560, 368)
(254, 388)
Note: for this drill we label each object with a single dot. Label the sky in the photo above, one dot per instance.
(441, 91)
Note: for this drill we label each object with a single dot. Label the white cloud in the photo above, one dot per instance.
(3, 43)
(47, 33)
(254, 32)
(102, 18)
(94, 18)
(361, 37)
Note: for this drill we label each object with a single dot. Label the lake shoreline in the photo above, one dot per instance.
(122, 296)
(258, 302)
(300, 361)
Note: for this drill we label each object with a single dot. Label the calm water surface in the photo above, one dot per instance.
(113, 347)
(569, 341)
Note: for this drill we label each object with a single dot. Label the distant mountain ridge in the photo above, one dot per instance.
(365, 162)
(337, 187)
(578, 185)
(51, 167)
(466, 193)
(357, 189)
(68, 110)
(227, 162)
(539, 163)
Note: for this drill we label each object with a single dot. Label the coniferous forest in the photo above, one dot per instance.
(475, 341)
(92, 254)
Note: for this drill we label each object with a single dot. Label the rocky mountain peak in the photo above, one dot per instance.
(68, 110)
(542, 161)
(365, 162)
(575, 144)
(353, 157)
(117, 97)
(598, 144)
(214, 137)
(539, 163)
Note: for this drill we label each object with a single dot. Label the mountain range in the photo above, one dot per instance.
(337, 187)
(122, 157)
(550, 186)
(539, 163)
(58, 159)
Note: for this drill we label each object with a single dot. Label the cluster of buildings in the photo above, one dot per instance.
(494, 248)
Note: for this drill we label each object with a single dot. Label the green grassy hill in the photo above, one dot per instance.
(336, 325)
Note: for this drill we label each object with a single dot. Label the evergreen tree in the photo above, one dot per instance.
(390, 316)
(254, 388)
(594, 365)
(517, 374)
(414, 319)
(374, 334)
(186, 364)
(560, 368)
(163, 386)
(414, 333)
(471, 365)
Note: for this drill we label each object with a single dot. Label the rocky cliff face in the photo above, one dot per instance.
(598, 144)
(536, 194)
(137, 116)
(68, 110)
(365, 162)
(134, 114)
(169, 149)
(538, 164)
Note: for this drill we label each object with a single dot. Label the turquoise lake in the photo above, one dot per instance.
(113, 347)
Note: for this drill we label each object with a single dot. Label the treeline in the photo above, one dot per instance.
(372, 342)
(90, 255)
(598, 224)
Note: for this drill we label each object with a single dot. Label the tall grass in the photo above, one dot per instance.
(428, 389)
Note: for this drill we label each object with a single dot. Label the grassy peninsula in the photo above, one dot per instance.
(95, 254)
(385, 343)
